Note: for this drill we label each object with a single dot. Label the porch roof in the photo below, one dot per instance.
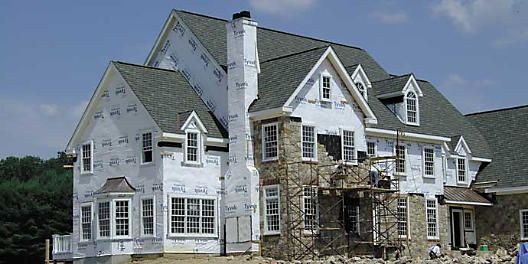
(460, 195)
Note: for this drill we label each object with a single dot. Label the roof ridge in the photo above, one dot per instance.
(498, 110)
(275, 30)
(294, 54)
(143, 66)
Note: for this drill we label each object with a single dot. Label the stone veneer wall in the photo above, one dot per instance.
(499, 225)
(418, 244)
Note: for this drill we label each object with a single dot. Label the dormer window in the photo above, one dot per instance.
(461, 170)
(412, 108)
(326, 81)
(195, 136)
(192, 147)
(361, 89)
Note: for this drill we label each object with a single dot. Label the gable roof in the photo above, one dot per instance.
(280, 77)
(168, 98)
(391, 86)
(211, 32)
(506, 131)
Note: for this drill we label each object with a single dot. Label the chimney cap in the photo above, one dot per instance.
(242, 14)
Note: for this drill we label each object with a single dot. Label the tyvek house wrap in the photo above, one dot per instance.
(242, 178)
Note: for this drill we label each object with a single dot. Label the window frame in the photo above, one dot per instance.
(323, 88)
(375, 149)
(424, 162)
(198, 147)
(91, 144)
(310, 229)
(185, 216)
(524, 231)
(81, 223)
(356, 218)
(109, 219)
(143, 147)
(114, 218)
(396, 168)
(354, 161)
(314, 143)
(266, 199)
(471, 220)
(416, 110)
(142, 217)
(263, 141)
(458, 170)
(362, 89)
(427, 220)
(406, 221)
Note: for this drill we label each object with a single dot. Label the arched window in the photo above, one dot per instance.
(361, 88)
(412, 108)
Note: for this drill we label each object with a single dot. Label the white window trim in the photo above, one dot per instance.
(472, 219)
(315, 143)
(354, 161)
(266, 231)
(91, 143)
(465, 169)
(263, 145)
(324, 75)
(423, 163)
(404, 173)
(142, 151)
(110, 209)
(113, 218)
(437, 236)
(375, 148)
(81, 222)
(407, 231)
(316, 229)
(417, 123)
(365, 89)
(142, 234)
(198, 146)
(185, 234)
(524, 236)
(358, 224)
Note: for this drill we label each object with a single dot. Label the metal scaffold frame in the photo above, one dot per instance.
(309, 184)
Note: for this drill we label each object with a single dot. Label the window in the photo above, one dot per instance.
(310, 208)
(400, 159)
(192, 216)
(192, 152)
(361, 88)
(86, 222)
(349, 154)
(147, 216)
(402, 217)
(461, 170)
(428, 156)
(431, 215)
(412, 108)
(86, 158)
(122, 216)
(270, 146)
(371, 149)
(468, 220)
(524, 224)
(104, 219)
(146, 156)
(272, 210)
(353, 216)
(325, 89)
(308, 142)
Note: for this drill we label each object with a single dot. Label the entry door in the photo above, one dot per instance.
(457, 228)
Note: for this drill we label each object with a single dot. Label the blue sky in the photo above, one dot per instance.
(53, 53)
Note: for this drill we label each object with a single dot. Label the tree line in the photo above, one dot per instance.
(35, 202)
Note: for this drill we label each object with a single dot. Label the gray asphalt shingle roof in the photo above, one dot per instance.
(168, 98)
(391, 85)
(506, 131)
(287, 58)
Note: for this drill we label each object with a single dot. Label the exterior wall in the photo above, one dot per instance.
(342, 108)
(503, 231)
(191, 181)
(413, 181)
(117, 140)
(417, 244)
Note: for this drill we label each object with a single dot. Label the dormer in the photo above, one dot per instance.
(361, 81)
(461, 153)
(195, 133)
(401, 94)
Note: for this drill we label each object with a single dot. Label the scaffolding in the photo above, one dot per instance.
(323, 204)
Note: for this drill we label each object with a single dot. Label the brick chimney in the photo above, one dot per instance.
(242, 179)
